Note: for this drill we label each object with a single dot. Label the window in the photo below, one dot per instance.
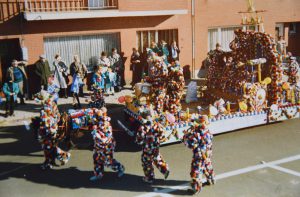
(292, 28)
(222, 36)
(144, 38)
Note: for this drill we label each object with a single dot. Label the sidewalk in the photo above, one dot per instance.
(32, 108)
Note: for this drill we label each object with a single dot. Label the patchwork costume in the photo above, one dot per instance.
(48, 135)
(104, 146)
(148, 136)
(199, 139)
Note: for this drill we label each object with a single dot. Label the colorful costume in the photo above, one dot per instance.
(149, 136)
(48, 134)
(104, 146)
(199, 139)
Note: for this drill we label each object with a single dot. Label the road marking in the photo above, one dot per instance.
(228, 174)
(15, 169)
(292, 172)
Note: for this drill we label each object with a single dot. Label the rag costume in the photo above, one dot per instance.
(199, 139)
(148, 136)
(48, 132)
(104, 147)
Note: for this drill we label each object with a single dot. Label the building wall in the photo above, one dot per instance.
(222, 13)
(33, 32)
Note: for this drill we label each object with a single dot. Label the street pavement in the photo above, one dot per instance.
(259, 161)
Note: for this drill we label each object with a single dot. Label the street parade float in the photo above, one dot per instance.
(250, 85)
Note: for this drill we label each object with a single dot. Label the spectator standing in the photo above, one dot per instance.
(59, 70)
(174, 52)
(10, 90)
(136, 66)
(117, 65)
(77, 67)
(16, 73)
(53, 89)
(43, 71)
(98, 78)
(281, 46)
(110, 82)
(104, 61)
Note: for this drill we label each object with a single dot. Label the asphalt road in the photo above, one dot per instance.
(259, 161)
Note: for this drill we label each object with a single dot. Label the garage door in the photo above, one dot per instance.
(88, 47)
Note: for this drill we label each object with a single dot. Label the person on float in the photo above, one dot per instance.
(174, 52)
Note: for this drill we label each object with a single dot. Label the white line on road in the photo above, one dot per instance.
(292, 172)
(185, 186)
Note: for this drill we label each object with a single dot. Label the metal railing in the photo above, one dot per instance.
(68, 5)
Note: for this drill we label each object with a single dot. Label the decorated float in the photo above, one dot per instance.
(250, 85)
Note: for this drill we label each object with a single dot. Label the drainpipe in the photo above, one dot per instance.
(193, 38)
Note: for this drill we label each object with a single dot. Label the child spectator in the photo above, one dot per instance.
(77, 83)
(11, 90)
(98, 78)
(53, 89)
(110, 81)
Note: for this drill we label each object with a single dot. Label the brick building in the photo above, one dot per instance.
(87, 27)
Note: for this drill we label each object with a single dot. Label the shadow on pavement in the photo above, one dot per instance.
(73, 178)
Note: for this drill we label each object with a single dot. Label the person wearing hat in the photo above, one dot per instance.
(43, 71)
(10, 90)
(16, 73)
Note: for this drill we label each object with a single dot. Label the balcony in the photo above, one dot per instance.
(79, 9)
(68, 5)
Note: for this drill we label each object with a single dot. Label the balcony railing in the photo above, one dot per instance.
(68, 5)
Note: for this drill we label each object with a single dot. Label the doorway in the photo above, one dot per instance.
(9, 49)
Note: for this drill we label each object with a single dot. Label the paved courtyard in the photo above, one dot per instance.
(259, 161)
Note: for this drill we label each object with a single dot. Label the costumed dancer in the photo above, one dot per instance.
(149, 137)
(199, 139)
(104, 146)
(48, 132)
(97, 98)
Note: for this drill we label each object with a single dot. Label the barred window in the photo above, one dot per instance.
(144, 38)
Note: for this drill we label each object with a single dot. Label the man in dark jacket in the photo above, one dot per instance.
(43, 71)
